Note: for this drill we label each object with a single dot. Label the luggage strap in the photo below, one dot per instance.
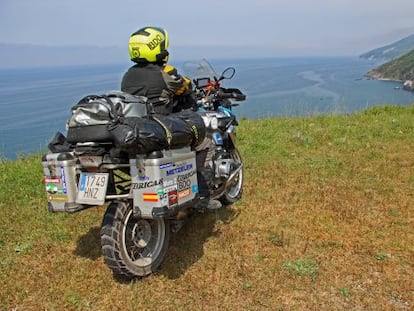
(166, 130)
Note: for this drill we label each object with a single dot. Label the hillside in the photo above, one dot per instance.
(401, 69)
(28, 55)
(325, 223)
(391, 51)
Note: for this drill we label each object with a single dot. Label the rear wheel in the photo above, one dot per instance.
(234, 191)
(132, 246)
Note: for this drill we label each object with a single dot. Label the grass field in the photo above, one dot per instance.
(326, 223)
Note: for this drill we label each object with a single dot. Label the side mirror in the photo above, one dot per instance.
(228, 73)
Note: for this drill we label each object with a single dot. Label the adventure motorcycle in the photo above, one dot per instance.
(117, 153)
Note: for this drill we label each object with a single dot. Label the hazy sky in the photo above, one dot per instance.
(291, 27)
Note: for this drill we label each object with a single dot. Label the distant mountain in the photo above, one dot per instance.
(28, 55)
(401, 69)
(391, 51)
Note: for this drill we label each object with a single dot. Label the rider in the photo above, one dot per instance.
(167, 91)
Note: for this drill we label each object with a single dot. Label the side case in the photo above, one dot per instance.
(161, 184)
(59, 171)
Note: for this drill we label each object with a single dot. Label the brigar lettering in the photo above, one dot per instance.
(147, 184)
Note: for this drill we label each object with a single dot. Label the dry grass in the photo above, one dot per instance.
(326, 223)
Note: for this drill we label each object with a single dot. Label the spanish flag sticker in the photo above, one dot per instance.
(150, 197)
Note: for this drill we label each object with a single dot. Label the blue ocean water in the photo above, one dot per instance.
(35, 103)
(313, 86)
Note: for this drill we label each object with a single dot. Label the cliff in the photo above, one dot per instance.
(399, 69)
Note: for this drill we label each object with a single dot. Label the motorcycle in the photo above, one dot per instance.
(149, 194)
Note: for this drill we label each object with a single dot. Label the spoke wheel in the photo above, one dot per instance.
(132, 246)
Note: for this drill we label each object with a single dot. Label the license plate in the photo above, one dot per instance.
(92, 188)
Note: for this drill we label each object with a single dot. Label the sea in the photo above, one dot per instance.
(36, 102)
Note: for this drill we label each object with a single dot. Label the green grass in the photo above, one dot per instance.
(326, 223)
(303, 267)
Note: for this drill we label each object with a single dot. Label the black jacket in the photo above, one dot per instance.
(161, 84)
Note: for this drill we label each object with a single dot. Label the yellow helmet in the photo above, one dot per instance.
(149, 44)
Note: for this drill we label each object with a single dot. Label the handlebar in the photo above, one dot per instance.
(231, 94)
(216, 98)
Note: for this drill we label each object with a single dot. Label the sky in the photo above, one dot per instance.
(260, 27)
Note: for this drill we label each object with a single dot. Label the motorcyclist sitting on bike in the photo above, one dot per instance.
(167, 91)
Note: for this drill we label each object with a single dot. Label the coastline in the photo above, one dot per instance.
(407, 85)
(278, 87)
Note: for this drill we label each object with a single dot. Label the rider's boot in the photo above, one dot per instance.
(204, 176)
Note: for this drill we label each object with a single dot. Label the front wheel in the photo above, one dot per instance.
(132, 246)
(234, 191)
